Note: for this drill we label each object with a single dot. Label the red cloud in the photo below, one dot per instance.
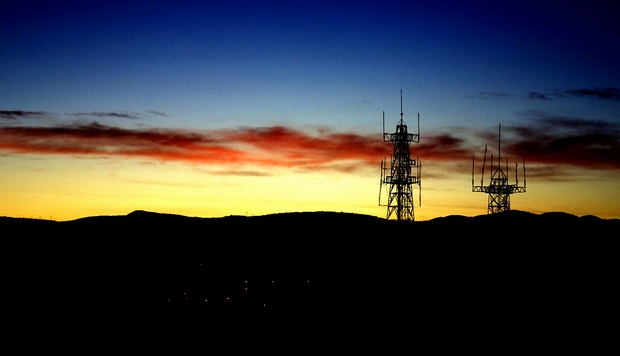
(96, 139)
(442, 147)
(302, 149)
(271, 146)
(279, 146)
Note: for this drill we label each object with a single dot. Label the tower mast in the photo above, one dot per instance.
(398, 176)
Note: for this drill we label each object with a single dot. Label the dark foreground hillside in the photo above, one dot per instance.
(491, 272)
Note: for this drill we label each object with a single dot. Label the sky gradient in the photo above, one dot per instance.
(244, 107)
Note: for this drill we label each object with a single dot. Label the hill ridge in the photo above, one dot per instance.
(144, 214)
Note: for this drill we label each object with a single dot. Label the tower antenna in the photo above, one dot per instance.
(499, 190)
(398, 175)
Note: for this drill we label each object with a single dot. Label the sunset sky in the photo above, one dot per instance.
(255, 107)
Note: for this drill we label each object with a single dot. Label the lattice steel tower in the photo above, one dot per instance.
(499, 190)
(398, 175)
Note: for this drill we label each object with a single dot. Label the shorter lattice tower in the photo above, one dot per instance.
(499, 190)
(398, 175)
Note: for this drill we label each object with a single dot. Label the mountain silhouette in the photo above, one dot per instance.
(510, 267)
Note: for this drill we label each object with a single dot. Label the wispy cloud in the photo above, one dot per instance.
(540, 96)
(568, 141)
(158, 113)
(20, 114)
(98, 139)
(488, 95)
(274, 146)
(270, 146)
(606, 93)
(108, 114)
(610, 93)
(443, 147)
(547, 140)
(243, 173)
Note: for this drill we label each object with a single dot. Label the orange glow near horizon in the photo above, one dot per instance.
(75, 170)
(67, 188)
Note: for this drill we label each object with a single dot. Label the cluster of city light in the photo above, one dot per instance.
(227, 299)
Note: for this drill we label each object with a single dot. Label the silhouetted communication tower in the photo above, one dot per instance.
(398, 175)
(498, 190)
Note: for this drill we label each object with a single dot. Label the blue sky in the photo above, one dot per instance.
(312, 62)
(309, 65)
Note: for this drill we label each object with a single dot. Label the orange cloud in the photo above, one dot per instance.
(101, 140)
(594, 146)
(271, 146)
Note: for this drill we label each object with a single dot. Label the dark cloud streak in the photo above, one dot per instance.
(538, 96)
(566, 141)
(610, 93)
(606, 94)
(111, 114)
(20, 114)
(158, 113)
(488, 94)
(15, 115)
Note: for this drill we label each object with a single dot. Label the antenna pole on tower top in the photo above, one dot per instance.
(384, 123)
(401, 105)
